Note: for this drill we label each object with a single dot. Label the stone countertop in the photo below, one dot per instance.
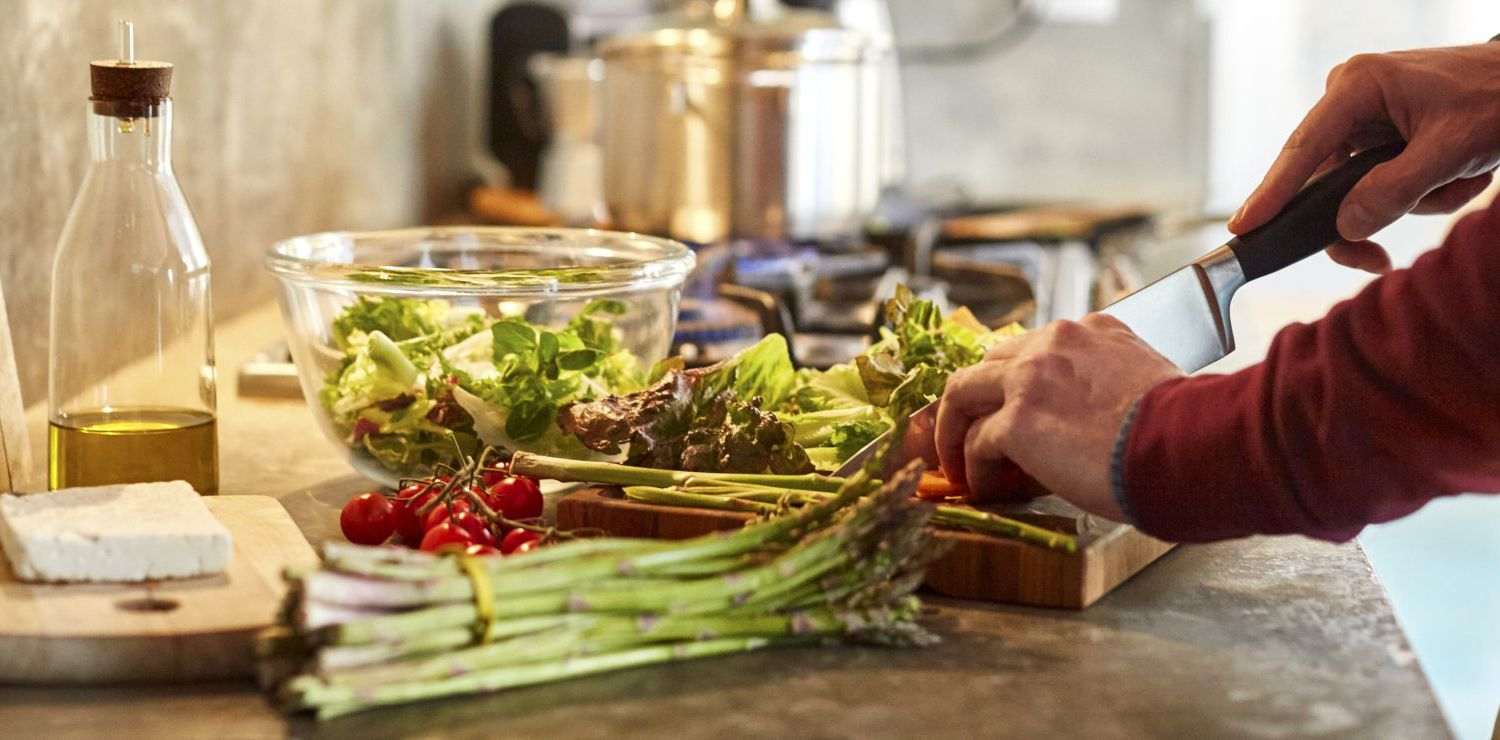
(1281, 637)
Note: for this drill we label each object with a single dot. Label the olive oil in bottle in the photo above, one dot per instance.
(134, 445)
(132, 381)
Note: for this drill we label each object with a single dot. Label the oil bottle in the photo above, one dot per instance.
(132, 379)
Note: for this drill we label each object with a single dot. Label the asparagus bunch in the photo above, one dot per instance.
(379, 626)
(762, 493)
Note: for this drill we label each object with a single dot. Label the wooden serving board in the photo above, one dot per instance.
(977, 566)
(167, 631)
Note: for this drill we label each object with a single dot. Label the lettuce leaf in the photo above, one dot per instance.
(815, 428)
(539, 370)
(377, 370)
(837, 411)
(682, 423)
(763, 370)
(423, 382)
(851, 436)
(397, 318)
(838, 387)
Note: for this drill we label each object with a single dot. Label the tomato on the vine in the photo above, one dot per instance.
(368, 519)
(481, 550)
(519, 498)
(409, 501)
(446, 533)
(517, 537)
(526, 546)
(475, 525)
(443, 511)
(491, 476)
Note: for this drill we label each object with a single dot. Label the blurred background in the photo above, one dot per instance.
(1033, 154)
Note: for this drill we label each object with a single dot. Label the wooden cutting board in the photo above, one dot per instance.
(15, 447)
(167, 631)
(977, 566)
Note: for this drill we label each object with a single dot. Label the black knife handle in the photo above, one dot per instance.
(1309, 222)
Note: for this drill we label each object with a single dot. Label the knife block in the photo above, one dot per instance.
(15, 446)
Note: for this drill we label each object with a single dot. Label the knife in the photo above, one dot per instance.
(1185, 315)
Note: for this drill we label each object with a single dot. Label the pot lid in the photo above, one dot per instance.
(728, 28)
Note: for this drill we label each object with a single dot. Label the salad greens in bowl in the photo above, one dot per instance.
(416, 347)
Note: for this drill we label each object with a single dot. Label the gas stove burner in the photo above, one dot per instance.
(1028, 282)
(796, 271)
(769, 247)
(714, 325)
(706, 321)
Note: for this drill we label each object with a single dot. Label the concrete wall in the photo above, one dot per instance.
(1116, 108)
(291, 116)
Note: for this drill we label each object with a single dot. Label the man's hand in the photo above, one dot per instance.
(1051, 401)
(1445, 103)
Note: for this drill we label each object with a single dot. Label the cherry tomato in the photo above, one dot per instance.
(520, 498)
(475, 525)
(481, 550)
(491, 476)
(491, 500)
(368, 519)
(443, 511)
(446, 533)
(408, 501)
(517, 537)
(526, 546)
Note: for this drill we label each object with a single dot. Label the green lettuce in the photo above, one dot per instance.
(851, 436)
(398, 319)
(763, 370)
(838, 411)
(838, 387)
(422, 383)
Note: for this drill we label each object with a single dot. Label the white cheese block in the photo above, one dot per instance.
(136, 532)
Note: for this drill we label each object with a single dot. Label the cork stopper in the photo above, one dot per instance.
(125, 87)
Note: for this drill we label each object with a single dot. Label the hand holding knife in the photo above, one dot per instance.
(1185, 315)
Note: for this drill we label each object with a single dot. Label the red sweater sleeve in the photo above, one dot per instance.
(1390, 401)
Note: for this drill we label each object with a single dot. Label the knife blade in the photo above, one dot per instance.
(851, 466)
(1185, 315)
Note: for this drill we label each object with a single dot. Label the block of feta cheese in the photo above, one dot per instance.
(135, 532)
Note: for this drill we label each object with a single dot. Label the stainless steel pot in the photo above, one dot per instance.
(718, 125)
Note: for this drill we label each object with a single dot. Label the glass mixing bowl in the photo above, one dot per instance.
(428, 290)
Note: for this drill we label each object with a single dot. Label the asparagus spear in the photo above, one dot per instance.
(335, 701)
(762, 499)
(596, 635)
(563, 469)
(400, 625)
(667, 487)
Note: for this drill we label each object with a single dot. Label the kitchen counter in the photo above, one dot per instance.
(1260, 637)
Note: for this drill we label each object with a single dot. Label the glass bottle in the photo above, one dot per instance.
(132, 379)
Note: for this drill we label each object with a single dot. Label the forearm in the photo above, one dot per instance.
(1391, 400)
